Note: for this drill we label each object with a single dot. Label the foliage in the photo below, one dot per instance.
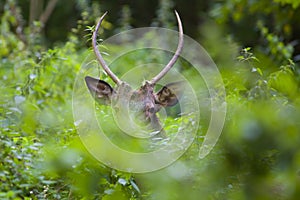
(263, 135)
(295, 4)
(271, 20)
(41, 156)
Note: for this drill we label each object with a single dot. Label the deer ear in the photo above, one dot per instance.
(170, 94)
(100, 90)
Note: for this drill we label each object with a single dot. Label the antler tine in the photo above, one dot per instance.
(98, 54)
(176, 55)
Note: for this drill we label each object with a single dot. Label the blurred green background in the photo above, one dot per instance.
(255, 44)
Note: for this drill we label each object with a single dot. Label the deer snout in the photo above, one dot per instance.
(149, 110)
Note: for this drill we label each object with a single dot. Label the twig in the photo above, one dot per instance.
(48, 11)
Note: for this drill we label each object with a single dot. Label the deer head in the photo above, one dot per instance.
(144, 102)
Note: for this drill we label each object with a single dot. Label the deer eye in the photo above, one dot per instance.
(151, 110)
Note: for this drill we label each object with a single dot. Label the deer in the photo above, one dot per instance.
(144, 101)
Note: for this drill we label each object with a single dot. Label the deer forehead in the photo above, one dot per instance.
(144, 96)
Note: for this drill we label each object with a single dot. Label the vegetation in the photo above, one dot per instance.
(255, 46)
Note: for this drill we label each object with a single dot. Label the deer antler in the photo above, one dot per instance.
(98, 54)
(176, 55)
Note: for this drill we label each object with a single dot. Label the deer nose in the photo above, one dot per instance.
(149, 110)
